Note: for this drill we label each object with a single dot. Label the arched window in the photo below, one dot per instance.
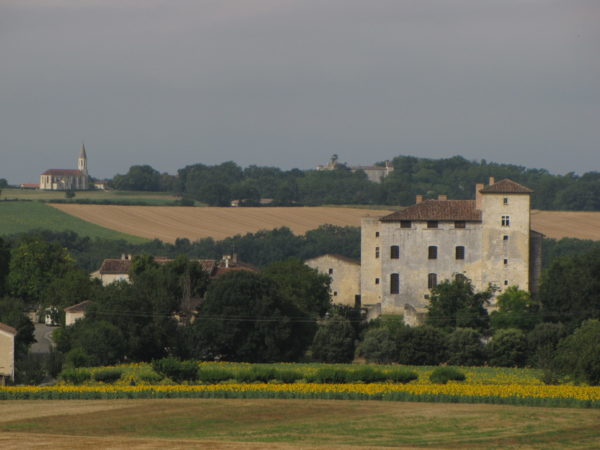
(460, 252)
(432, 252)
(394, 283)
(431, 280)
(394, 252)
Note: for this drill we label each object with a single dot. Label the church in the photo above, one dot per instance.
(67, 179)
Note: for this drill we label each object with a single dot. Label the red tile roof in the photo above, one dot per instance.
(449, 210)
(115, 266)
(79, 306)
(506, 186)
(63, 172)
(7, 328)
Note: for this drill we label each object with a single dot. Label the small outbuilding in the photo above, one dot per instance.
(7, 353)
(76, 312)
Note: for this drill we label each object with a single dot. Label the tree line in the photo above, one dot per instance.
(219, 184)
(284, 313)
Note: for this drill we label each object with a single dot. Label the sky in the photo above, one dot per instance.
(288, 83)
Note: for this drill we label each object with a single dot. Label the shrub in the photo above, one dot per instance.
(329, 375)
(150, 376)
(367, 375)
(176, 369)
(213, 375)
(401, 376)
(75, 375)
(378, 346)
(508, 348)
(288, 376)
(442, 375)
(256, 374)
(578, 355)
(422, 346)
(465, 348)
(107, 375)
(334, 341)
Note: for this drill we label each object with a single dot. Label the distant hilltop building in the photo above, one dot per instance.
(374, 173)
(67, 179)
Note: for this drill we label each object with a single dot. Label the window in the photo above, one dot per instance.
(376, 280)
(376, 252)
(432, 224)
(460, 277)
(505, 282)
(460, 224)
(432, 280)
(506, 200)
(335, 293)
(432, 252)
(460, 252)
(505, 237)
(405, 224)
(394, 252)
(505, 221)
(394, 283)
(377, 234)
(505, 261)
(330, 271)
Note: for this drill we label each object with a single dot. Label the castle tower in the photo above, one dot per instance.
(82, 161)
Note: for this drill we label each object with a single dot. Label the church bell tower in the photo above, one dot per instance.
(82, 161)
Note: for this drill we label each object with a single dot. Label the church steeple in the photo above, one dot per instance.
(82, 161)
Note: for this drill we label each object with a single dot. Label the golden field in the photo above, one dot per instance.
(169, 223)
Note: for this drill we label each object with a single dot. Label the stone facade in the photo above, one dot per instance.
(487, 240)
(67, 179)
(7, 353)
(345, 277)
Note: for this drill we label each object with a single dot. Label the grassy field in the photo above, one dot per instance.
(17, 217)
(153, 198)
(169, 223)
(257, 423)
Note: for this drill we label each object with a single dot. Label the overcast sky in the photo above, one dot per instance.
(287, 83)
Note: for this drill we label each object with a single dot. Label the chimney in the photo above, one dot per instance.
(234, 258)
(419, 199)
(478, 187)
(442, 197)
(492, 181)
(123, 257)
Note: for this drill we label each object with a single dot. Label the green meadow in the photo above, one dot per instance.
(23, 216)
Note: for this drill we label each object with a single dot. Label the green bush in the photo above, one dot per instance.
(401, 376)
(367, 375)
(256, 374)
(75, 375)
(288, 376)
(213, 375)
(378, 346)
(150, 377)
(329, 375)
(442, 375)
(176, 369)
(109, 375)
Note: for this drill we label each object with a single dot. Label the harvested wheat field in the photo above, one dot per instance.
(560, 224)
(268, 423)
(168, 223)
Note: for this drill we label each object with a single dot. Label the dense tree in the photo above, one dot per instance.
(516, 309)
(4, 265)
(334, 341)
(542, 342)
(246, 318)
(424, 345)
(304, 286)
(92, 343)
(34, 264)
(508, 348)
(379, 346)
(3, 183)
(578, 355)
(570, 289)
(138, 178)
(465, 348)
(12, 313)
(455, 304)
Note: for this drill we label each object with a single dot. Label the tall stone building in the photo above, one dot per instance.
(487, 240)
(67, 179)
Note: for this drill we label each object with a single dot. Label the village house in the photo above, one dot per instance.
(76, 312)
(487, 240)
(7, 353)
(345, 277)
(374, 173)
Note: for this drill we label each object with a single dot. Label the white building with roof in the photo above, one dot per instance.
(67, 179)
